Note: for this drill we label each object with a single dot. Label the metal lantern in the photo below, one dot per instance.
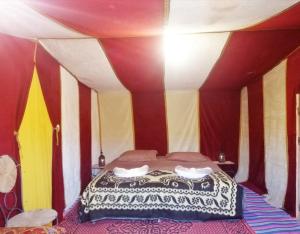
(101, 160)
(222, 157)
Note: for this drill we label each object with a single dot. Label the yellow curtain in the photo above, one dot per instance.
(35, 136)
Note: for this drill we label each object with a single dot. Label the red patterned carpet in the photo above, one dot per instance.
(72, 225)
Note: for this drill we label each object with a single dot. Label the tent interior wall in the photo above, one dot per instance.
(73, 85)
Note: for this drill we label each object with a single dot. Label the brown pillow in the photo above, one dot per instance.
(187, 157)
(138, 155)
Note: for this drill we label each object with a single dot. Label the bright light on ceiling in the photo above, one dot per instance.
(181, 49)
(177, 49)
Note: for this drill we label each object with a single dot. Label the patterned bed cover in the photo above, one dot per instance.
(161, 194)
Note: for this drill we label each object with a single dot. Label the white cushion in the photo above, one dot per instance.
(32, 218)
(8, 174)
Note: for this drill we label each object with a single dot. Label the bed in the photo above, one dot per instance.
(161, 193)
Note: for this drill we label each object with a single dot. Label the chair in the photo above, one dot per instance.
(34, 218)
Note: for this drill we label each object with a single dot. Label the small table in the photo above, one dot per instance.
(229, 167)
(96, 170)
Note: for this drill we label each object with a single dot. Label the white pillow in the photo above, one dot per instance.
(139, 171)
(192, 173)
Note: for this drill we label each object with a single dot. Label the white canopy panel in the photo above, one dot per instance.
(116, 123)
(221, 15)
(182, 112)
(18, 19)
(96, 148)
(275, 134)
(244, 147)
(189, 58)
(70, 137)
(86, 60)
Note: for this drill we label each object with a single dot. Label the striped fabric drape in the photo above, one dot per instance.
(95, 127)
(243, 169)
(16, 69)
(142, 75)
(121, 55)
(292, 87)
(182, 116)
(272, 132)
(116, 123)
(85, 135)
(275, 133)
(149, 116)
(70, 124)
(49, 75)
(219, 124)
(256, 135)
(36, 155)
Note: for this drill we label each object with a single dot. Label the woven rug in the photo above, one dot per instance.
(72, 225)
(265, 219)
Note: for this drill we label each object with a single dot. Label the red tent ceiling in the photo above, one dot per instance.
(151, 45)
(106, 18)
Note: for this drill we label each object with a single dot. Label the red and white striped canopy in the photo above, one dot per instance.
(159, 44)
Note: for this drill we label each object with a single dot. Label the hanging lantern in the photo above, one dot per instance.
(222, 157)
(101, 160)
